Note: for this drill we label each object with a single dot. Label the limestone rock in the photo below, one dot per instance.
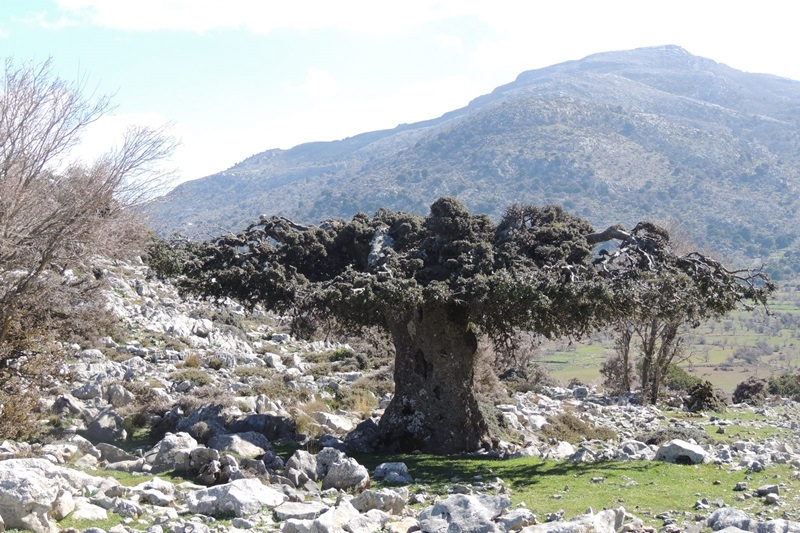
(680, 451)
(300, 510)
(241, 497)
(387, 500)
(173, 452)
(462, 513)
(368, 522)
(249, 444)
(393, 473)
(608, 521)
(346, 474)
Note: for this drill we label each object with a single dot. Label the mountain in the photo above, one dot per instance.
(653, 133)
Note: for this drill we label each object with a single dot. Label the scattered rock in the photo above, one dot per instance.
(681, 452)
(242, 497)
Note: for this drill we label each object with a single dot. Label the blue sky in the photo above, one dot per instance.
(237, 77)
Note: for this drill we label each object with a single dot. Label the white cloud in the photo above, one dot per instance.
(319, 84)
(451, 41)
(356, 114)
(203, 15)
(107, 133)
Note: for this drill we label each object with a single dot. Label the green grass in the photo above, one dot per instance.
(746, 424)
(80, 525)
(644, 488)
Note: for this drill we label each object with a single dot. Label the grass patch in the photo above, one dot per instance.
(644, 488)
(195, 375)
(744, 424)
(81, 525)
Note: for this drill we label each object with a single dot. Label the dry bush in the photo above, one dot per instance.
(568, 427)
(379, 382)
(306, 424)
(251, 371)
(195, 375)
(666, 434)
(486, 383)
(216, 363)
(356, 400)
(205, 396)
(753, 390)
(56, 218)
(192, 360)
(705, 397)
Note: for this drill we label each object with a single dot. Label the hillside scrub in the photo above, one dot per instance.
(444, 284)
(56, 216)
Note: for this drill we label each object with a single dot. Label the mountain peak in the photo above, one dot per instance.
(651, 133)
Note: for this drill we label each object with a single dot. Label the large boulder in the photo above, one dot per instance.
(462, 513)
(106, 427)
(393, 473)
(390, 501)
(608, 521)
(301, 467)
(26, 499)
(334, 520)
(172, 453)
(241, 497)
(729, 517)
(369, 522)
(248, 444)
(681, 452)
(32, 491)
(333, 423)
(346, 474)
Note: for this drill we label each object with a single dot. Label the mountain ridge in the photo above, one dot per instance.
(652, 133)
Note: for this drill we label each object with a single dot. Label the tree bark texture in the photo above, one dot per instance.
(434, 408)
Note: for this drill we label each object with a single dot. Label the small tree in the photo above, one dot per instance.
(55, 216)
(659, 293)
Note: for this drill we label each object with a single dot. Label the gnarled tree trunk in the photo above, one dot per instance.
(434, 408)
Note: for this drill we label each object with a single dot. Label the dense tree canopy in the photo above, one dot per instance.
(441, 283)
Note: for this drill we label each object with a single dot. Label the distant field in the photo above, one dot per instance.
(724, 352)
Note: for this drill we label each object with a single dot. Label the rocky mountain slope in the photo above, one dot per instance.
(243, 410)
(653, 133)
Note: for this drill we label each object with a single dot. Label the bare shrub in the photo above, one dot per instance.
(568, 427)
(55, 218)
(192, 360)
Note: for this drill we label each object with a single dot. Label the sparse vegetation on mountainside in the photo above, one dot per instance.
(648, 134)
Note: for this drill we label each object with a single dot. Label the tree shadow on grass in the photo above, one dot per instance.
(518, 473)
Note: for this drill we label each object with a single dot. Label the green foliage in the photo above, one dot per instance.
(787, 385)
(195, 375)
(536, 270)
(680, 380)
(522, 274)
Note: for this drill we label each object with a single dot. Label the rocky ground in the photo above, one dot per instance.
(219, 393)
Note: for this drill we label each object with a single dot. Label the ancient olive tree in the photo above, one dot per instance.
(438, 285)
(658, 295)
(56, 213)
